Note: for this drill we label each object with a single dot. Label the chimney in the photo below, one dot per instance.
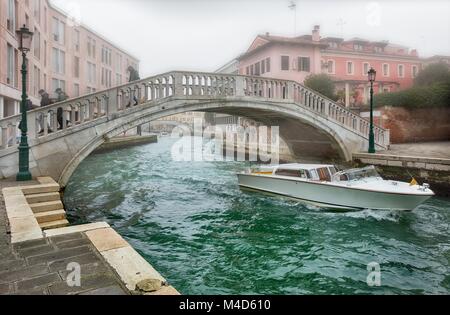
(316, 33)
(267, 34)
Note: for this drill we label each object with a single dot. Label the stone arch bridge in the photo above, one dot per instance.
(310, 124)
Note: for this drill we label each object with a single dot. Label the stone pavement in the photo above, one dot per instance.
(425, 149)
(40, 266)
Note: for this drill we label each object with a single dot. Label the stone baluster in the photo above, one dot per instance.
(32, 126)
(4, 137)
(240, 86)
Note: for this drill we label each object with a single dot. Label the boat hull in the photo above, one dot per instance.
(331, 195)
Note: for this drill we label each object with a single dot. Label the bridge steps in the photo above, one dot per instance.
(40, 189)
(50, 216)
(45, 197)
(54, 224)
(46, 206)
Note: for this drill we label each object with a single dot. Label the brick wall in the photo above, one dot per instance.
(417, 124)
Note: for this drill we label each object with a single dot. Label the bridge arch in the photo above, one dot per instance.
(230, 106)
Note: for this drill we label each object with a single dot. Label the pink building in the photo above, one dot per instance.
(347, 61)
(64, 55)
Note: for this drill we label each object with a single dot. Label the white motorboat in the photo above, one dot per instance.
(350, 189)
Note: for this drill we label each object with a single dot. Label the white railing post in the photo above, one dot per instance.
(239, 89)
(31, 121)
(178, 84)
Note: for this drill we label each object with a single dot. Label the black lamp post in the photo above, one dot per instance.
(372, 76)
(25, 36)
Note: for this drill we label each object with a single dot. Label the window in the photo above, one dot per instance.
(251, 70)
(58, 31)
(386, 90)
(59, 61)
(263, 67)
(45, 19)
(119, 78)
(257, 69)
(385, 69)
(366, 68)
(330, 66)
(247, 71)
(10, 73)
(76, 90)
(37, 44)
(106, 77)
(76, 40)
(379, 49)
(349, 67)
(284, 62)
(106, 55)
(91, 47)
(119, 63)
(291, 173)
(58, 84)
(268, 65)
(324, 174)
(45, 53)
(90, 90)
(401, 72)
(333, 45)
(414, 71)
(37, 10)
(11, 17)
(357, 47)
(91, 72)
(76, 67)
(303, 64)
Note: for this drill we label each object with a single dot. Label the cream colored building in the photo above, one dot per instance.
(64, 55)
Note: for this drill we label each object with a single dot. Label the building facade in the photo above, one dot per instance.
(63, 55)
(346, 61)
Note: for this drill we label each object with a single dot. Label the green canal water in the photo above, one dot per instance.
(191, 221)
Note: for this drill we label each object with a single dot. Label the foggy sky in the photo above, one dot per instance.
(205, 34)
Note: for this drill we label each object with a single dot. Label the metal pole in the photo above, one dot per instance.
(371, 134)
(24, 150)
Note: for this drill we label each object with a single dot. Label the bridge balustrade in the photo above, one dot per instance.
(55, 118)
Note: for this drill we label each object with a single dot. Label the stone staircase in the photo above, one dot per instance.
(45, 202)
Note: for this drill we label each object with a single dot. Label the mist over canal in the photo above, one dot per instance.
(191, 221)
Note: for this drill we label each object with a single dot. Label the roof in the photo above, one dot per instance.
(357, 40)
(332, 39)
(271, 40)
(306, 39)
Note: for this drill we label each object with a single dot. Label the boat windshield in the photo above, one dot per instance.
(356, 174)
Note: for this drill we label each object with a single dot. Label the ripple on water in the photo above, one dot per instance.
(206, 236)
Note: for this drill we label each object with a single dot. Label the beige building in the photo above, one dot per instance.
(64, 55)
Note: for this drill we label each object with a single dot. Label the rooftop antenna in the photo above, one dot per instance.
(341, 24)
(293, 7)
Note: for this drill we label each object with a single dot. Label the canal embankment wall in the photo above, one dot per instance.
(412, 124)
(126, 141)
(434, 171)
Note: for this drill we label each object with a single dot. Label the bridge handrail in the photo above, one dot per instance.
(44, 121)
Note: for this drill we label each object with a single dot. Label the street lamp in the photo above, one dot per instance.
(372, 76)
(25, 36)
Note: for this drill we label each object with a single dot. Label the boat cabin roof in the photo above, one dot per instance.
(299, 166)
